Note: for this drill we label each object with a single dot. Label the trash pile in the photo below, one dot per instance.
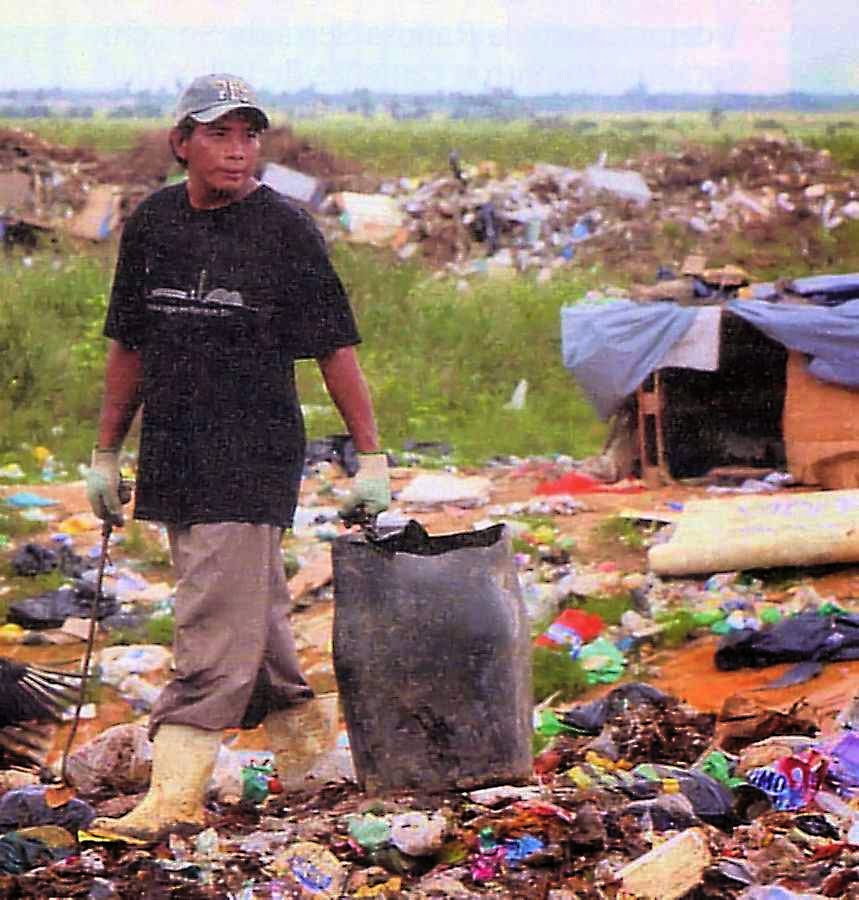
(45, 188)
(635, 792)
(472, 219)
(609, 813)
(475, 221)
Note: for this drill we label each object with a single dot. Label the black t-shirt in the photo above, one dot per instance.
(220, 302)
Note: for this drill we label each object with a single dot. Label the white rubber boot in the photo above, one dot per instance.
(300, 736)
(183, 758)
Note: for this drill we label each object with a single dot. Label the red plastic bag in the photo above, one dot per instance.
(584, 624)
(579, 483)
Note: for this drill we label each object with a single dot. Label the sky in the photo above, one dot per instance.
(425, 46)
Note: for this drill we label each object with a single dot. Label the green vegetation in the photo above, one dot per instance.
(155, 630)
(14, 525)
(442, 363)
(102, 134)
(609, 607)
(51, 357)
(623, 531)
(142, 542)
(418, 147)
(556, 674)
(677, 626)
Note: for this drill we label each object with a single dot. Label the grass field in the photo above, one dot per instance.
(442, 362)
(417, 147)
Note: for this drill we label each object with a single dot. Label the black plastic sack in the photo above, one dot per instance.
(52, 609)
(591, 717)
(37, 559)
(807, 636)
(335, 448)
(711, 800)
(433, 659)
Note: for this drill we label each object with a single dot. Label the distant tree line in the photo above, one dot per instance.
(498, 103)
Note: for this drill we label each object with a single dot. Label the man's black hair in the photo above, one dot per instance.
(185, 129)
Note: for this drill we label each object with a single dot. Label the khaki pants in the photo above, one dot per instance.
(234, 650)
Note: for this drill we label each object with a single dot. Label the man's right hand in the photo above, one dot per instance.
(102, 486)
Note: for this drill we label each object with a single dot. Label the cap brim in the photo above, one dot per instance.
(205, 116)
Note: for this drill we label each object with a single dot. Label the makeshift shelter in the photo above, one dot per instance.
(766, 381)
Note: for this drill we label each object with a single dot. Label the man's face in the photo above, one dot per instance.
(222, 157)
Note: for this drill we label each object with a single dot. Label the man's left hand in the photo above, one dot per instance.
(371, 488)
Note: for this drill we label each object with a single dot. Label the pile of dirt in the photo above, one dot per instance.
(19, 148)
(148, 162)
(282, 146)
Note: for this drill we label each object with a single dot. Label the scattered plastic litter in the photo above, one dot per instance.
(426, 491)
(24, 499)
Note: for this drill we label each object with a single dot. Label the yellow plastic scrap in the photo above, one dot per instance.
(600, 762)
(79, 524)
(392, 886)
(106, 837)
(41, 455)
(544, 534)
(580, 778)
(670, 786)
(11, 634)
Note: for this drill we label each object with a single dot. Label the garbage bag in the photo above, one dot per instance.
(591, 717)
(50, 610)
(433, 659)
(335, 448)
(711, 801)
(806, 636)
(27, 806)
(37, 559)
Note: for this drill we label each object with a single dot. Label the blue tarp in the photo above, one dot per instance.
(832, 287)
(611, 348)
(829, 334)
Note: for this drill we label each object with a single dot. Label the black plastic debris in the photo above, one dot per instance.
(51, 609)
(590, 718)
(38, 559)
(335, 448)
(806, 636)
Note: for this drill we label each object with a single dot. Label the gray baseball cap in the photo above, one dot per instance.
(211, 96)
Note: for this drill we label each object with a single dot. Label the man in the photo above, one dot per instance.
(220, 285)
